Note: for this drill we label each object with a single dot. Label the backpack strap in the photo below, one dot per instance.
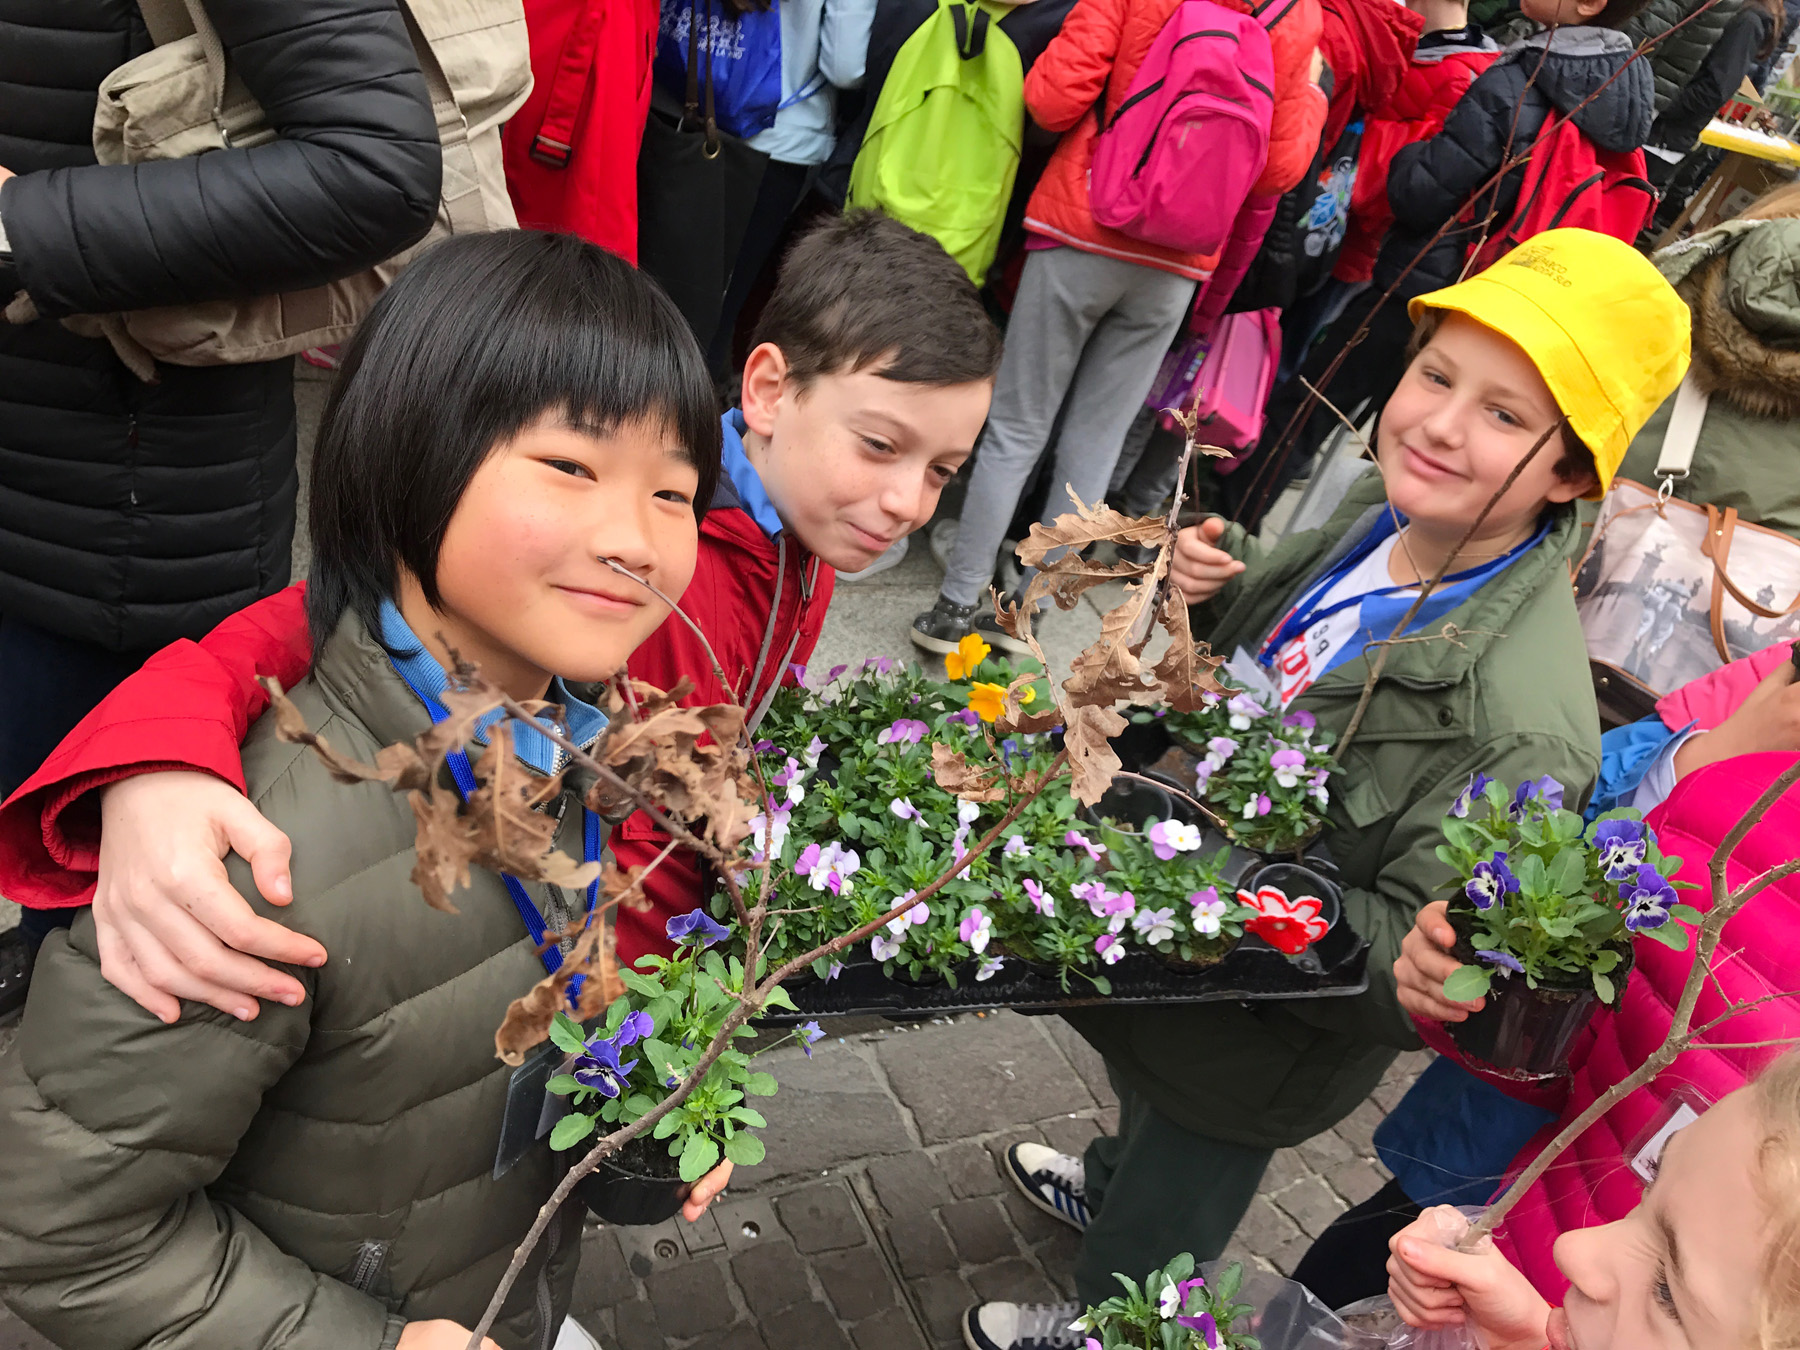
(1271, 12)
(1682, 435)
(167, 20)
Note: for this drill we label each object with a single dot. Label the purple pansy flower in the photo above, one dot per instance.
(1623, 846)
(1208, 910)
(1492, 883)
(967, 716)
(1259, 805)
(1015, 847)
(836, 671)
(1204, 1324)
(695, 926)
(808, 1032)
(990, 968)
(975, 930)
(906, 731)
(1244, 710)
(1154, 925)
(1170, 837)
(598, 1067)
(1041, 900)
(1288, 765)
(808, 859)
(884, 948)
(633, 1029)
(1505, 960)
(1076, 839)
(1221, 748)
(1472, 790)
(1648, 897)
(763, 746)
(903, 807)
(798, 671)
(1111, 950)
(1546, 789)
(1301, 718)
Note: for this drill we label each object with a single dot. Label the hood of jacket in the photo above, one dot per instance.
(1741, 281)
(1579, 64)
(1368, 44)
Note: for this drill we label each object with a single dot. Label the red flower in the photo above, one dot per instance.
(1289, 926)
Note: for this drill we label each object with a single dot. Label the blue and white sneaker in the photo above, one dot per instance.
(1022, 1326)
(1055, 1182)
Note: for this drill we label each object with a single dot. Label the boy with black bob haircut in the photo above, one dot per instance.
(333, 1175)
(862, 397)
(1573, 339)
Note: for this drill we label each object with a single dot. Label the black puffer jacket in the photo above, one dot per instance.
(130, 513)
(1501, 114)
(1679, 51)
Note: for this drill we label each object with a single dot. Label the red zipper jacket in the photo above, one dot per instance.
(192, 704)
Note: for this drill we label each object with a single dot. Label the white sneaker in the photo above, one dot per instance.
(895, 554)
(573, 1336)
(1055, 1182)
(1022, 1326)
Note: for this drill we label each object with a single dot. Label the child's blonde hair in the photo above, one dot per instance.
(1777, 1096)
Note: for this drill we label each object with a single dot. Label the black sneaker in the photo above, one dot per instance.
(1055, 1182)
(942, 626)
(1022, 1326)
(16, 957)
(988, 625)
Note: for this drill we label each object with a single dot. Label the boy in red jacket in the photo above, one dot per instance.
(869, 382)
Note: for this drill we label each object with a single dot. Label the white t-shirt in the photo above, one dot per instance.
(1307, 656)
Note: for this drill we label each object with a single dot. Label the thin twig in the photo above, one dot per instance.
(1170, 788)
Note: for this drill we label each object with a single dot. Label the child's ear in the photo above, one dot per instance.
(765, 380)
(1589, 9)
(1569, 489)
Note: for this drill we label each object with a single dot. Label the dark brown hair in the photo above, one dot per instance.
(861, 290)
(1617, 14)
(1577, 460)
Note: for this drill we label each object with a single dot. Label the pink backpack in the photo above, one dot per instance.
(1234, 382)
(1190, 137)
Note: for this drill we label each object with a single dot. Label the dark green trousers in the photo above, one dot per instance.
(1157, 1190)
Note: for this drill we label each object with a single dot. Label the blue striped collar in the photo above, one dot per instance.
(420, 669)
(746, 482)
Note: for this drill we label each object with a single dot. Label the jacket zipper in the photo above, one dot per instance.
(547, 1337)
(370, 1257)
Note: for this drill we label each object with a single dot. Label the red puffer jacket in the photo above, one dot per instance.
(571, 151)
(193, 703)
(1436, 79)
(1369, 45)
(1100, 47)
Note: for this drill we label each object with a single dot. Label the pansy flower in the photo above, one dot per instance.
(1076, 839)
(990, 968)
(1492, 882)
(1289, 926)
(906, 731)
(1205, 1325)
(695, 926)
(1648, 897)
(789, 776)
(1219, 749)
(1015, 847)
(884, 948)
(1288, 765)
(808, 1032)
(1317, 790)
(1300, 718)
(975, 929)
(1208, 910)
(1546, 790)
(1622, 846)
(969, 653)
(1170, 837)
(1111, 950)
(1471, 792)
(903, 807)
(1505, 960)
(598, 1067)
(1244, 711)
(967, 716)
(1119, 909)
(1259, 805)
(1154, 925)
(987, 701)
(1041, 900)
(814, 748)
(769, 832)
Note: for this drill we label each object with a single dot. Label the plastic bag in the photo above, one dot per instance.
(1378, 1317)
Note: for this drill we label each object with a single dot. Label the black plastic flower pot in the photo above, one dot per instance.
(640, 1184)
(1132, 802)
(1523, 1032)
(1141, 744)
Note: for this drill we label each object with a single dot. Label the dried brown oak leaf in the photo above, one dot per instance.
(1090, 525)
(528, 1017)
(399, 765)
(690, 761)
(970, 782)
(1087, 736)
(444, 846)
(1108, 669)
(1070, 577)
(1185, 673)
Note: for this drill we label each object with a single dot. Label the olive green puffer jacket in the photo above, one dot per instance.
(1511, 697)
(315, 1178)
(1677, 58)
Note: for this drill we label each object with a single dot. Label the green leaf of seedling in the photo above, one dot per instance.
(760, 1085)
(641, 985)
(562, 1085)
(1568, 872)
(1668, 864)
(1102, 985)
(571, 1130)
(746, 1150)
(1228, 1282)
(1603, 986)
(1686, 913)
(667, 1126)
(1180, 1268)
(698, 1156)
(565, 1034)
(1173, 1334)
(780, 998)
(1605, 962)
(1464, 984)
(1671, 935)
(615, 1015)
(754, 1119)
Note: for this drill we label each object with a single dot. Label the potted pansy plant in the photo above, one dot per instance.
(1264, 772)
(651, 1038)
(1545, 909)
(1175, 1308)
(1168, 890)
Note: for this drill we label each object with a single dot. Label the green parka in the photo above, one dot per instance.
(1742, 284)
(315, 1178)
(1681, 50)
(1510, 697)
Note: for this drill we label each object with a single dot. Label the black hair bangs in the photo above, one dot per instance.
(477, 340)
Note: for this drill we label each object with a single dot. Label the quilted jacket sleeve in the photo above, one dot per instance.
(352, 177)
(1064, 82)
(1300, 105)
(111, 1126)
(1430, 180)
(189, 707)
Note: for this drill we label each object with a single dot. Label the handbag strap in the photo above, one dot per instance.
(1682, 435)
(167, 20)
(1721, 526)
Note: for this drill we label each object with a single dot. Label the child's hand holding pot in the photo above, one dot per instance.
(1198, 567)
(1425, 963)
(438, 1334)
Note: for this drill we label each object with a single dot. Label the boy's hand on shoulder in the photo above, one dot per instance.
(1425, 963)
(1198, 567)
(166, 915)
(438, 1335)
(1434, 1285)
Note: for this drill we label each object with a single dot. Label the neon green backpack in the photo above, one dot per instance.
(942, 147)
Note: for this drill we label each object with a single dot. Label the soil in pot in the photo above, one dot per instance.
(640, 1184)
(1523, 1032)
(1175, 965)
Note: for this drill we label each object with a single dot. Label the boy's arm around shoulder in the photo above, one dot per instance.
(111, 1126)
(1412, 876)
(1431, 180)
(189, 707)
(1062, 84)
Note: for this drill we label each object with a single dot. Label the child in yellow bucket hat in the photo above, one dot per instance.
(1573, 339)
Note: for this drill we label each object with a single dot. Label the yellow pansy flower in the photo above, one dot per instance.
(987, 700)
(969, 653)
(1027, 696)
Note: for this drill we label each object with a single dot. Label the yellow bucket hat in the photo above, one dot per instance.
(1605, 330)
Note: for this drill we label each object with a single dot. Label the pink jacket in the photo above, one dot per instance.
(1759, 955)
(1712, 698)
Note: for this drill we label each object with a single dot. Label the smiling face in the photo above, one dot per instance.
(523, 591)
(1680, 1271)
(852, 461)
(1470, 407)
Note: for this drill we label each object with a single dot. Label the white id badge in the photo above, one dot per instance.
(1684, 1107)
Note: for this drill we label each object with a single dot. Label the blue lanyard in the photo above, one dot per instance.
(1309, 611)
(464, 775)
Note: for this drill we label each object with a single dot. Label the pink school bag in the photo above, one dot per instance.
(1234, 382)
(1189, 139)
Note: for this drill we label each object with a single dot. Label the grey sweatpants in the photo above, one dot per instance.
(1085, 326)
